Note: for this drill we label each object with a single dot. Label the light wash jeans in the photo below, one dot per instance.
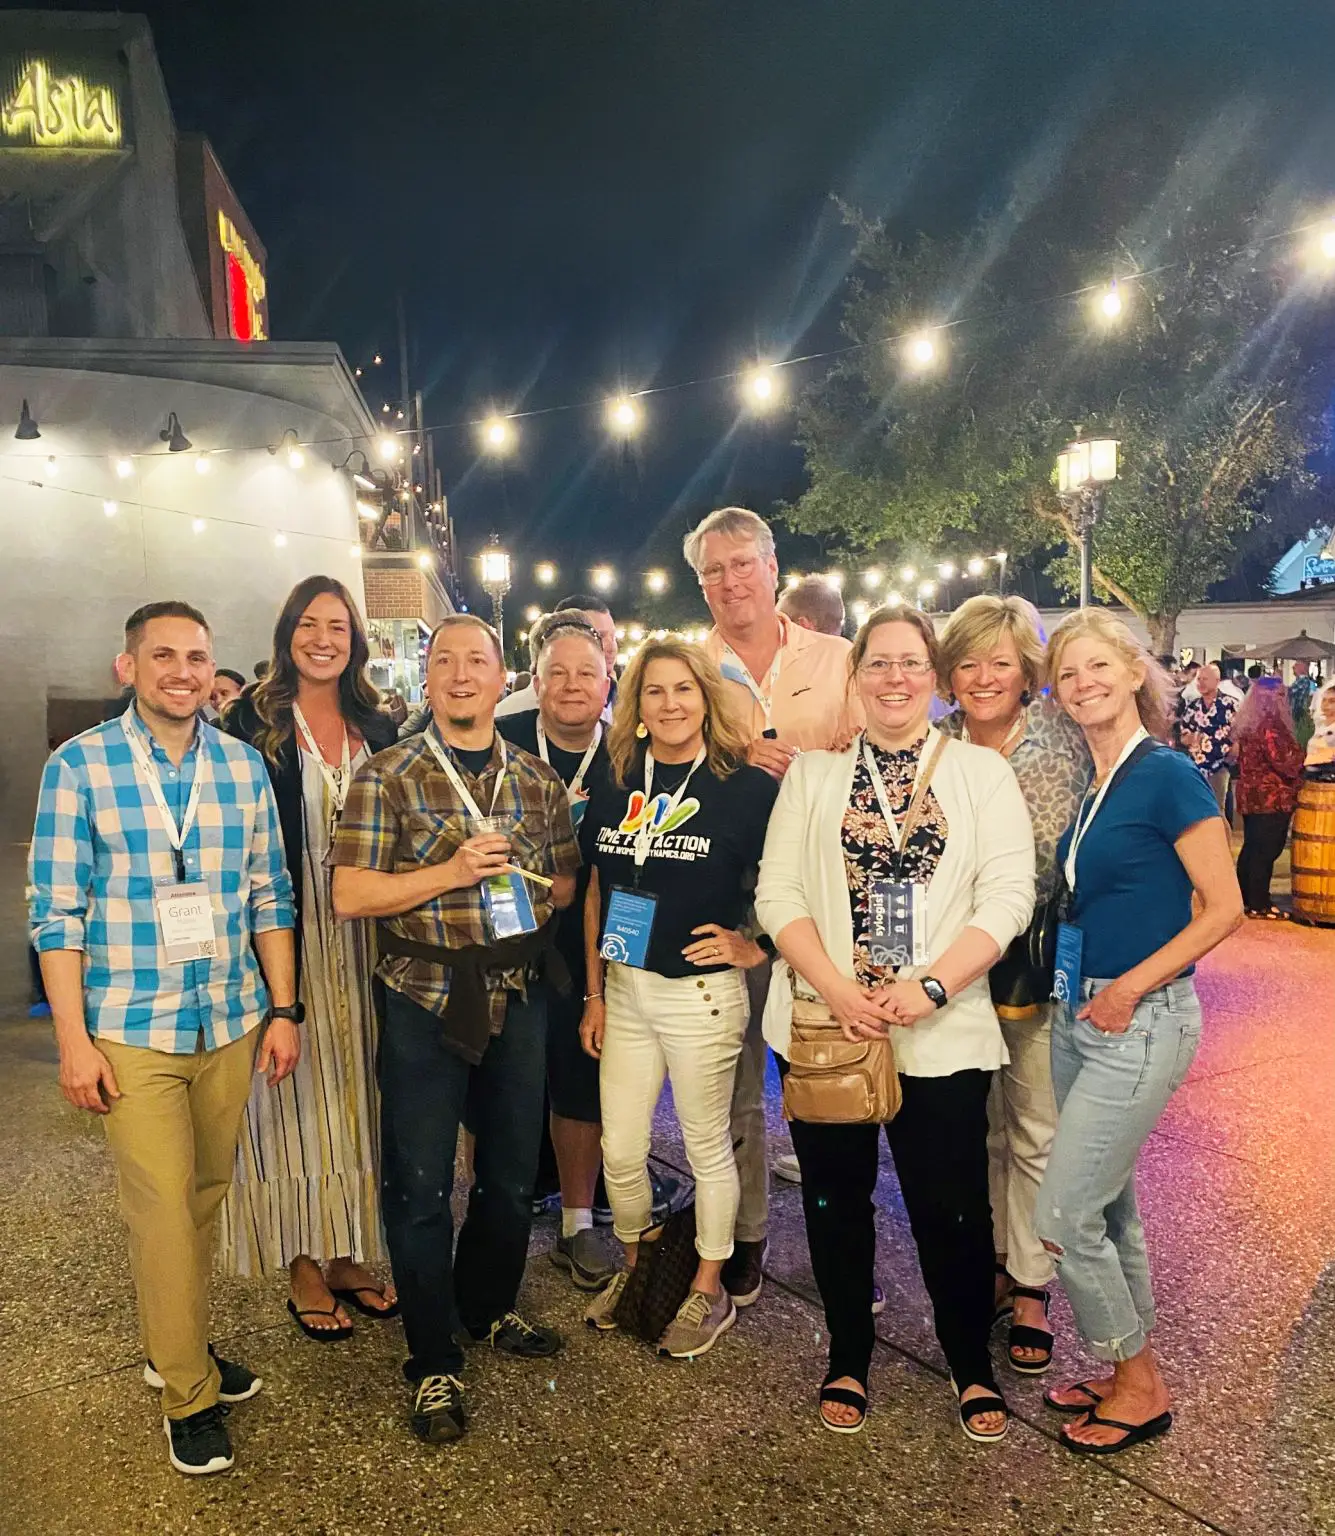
(1111, 1090)
(690, 1029)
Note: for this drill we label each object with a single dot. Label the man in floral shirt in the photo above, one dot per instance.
(1205, 724)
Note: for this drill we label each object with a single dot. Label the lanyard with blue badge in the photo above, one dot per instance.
(897, 909)
(184, 907)
(1067, 973)
(630, 911)
(505, 899)
(576, 794)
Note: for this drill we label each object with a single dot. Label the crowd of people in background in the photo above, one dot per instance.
(303, 950)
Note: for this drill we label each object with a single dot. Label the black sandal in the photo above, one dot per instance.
(353, 1298)
(320, 1335)
(976, 1407)
(1135, 1434)
(1005, 1306)
(843, 1397)
(1022, 1336)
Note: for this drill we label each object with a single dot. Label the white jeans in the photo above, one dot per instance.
(1021, 1122)
(690, 1029)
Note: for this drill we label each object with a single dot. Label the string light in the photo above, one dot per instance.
(636, 632)
(52, 468)
(388, 447)
(603, 578)
(532, 613)
(656, 582)
(977, 566)
(124, 468)
(920, 351)
(203, 464)
(895, 599)
(280, 541)
(498, 434)
(425, 561)
(295, 458)
(355, 551)
(623, 416)
(834, 580)
(945, 570)
(926, 589)
(544, 573)
(198, 525)
(1110, 301)
(109, 509)
(907, 573)
(872, 578)
(762, 387)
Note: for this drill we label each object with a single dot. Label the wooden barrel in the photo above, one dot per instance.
(1313, 853)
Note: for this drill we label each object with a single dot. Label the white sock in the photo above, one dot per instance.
(575, 1221)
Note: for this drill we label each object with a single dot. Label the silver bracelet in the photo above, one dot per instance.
(591, 996)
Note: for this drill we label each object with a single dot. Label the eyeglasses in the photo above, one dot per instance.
(910, 666)
(741, 569)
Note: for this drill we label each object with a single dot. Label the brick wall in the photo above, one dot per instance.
(394, 594)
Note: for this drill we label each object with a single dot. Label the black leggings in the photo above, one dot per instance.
(939, 1144)
(1263, 836)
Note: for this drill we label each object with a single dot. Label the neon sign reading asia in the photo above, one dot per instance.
(53, 111)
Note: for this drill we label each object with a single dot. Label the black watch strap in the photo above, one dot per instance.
(934, 990)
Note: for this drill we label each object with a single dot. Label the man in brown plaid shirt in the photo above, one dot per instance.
(463, 1023)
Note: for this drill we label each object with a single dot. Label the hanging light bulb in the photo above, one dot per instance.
(656, 582)
(1110, 301)
(946, 570)
(280, 541)
(124, 468)
(623, 416)
(976, 566)
(198, 525)
(907, 573)
(355, 551)
(762, 387)
(110, 508)
(424, 561)
(203, 464)
(498, 434)
(921, 351)
(388, 446)
(544, 573)
(872, 578)
(52, 468)
(834, 580)
(603, 578)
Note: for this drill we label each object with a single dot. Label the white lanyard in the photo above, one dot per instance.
(898, 832)
(645, 836)
(1082, 822)
(576, 784)
(732, 666)
(1015, 731)
(176, 836)
(338, 778)
(442, 757)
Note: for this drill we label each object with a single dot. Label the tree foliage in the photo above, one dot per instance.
(1213, 379)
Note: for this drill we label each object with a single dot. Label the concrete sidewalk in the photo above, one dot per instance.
(1238, 1193)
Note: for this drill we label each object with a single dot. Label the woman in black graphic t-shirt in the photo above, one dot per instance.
(673, 835)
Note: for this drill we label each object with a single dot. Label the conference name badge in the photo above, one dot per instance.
(509, 910)
(1066, 971)
(897, 923)
(185, 920)
(630, 921)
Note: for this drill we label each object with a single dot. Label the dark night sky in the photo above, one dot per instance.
(573, 192)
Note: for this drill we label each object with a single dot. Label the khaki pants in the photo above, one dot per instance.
(173, 1135)
(1021, 1122)
(748, 1115)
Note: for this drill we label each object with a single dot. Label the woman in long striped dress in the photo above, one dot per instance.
(305, 1197)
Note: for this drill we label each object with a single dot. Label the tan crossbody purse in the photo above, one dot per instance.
(834, 1081)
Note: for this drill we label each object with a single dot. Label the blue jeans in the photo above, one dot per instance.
(1111, 1090)
(424, 1088)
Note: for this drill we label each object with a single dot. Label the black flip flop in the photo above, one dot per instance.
(1136, 1434)
(1022, 1336)
(353, 1299)
(320, 1335)
(843, 1397)
(1095, 1398)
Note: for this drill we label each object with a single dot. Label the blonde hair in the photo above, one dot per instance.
(725, 743)
(1156, 687)
(977, 627)
(732, 523)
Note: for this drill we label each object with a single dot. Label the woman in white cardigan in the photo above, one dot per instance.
(835, 833)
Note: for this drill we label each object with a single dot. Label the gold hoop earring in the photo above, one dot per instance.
(641, 730)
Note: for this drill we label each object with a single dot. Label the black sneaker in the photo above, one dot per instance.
(438, 1409)
(237, 1384)
(743, 1277)
(530, 1341)
(669, 1195)
(199, 1444)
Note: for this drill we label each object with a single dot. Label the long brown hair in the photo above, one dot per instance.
(1156, 687)
(725, 743)
(1267, 703)
(358, 700)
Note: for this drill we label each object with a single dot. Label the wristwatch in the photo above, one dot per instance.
(294, 1011)
(934, 990)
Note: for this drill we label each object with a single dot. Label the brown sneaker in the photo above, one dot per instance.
(742, 1274)
(700, 1320)
(599, 1312)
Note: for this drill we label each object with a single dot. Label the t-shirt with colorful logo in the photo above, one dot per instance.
(701, 859)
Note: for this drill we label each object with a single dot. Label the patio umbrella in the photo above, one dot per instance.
(1301, 648)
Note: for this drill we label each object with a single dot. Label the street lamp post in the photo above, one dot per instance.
(496, 583)
(1085, 468)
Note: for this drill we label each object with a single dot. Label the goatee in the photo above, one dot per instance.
(462, 723)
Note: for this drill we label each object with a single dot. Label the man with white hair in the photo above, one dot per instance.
(814, 604)
(788, 687)
(1205, 725)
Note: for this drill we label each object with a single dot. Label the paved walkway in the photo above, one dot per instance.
(1239, 1199)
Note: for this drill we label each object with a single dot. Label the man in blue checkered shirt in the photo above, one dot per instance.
(160, 906)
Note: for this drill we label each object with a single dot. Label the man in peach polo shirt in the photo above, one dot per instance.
(789, 686)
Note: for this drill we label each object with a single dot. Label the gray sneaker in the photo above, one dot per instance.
(585, 1258)
(600, 1309)
(700, 1320)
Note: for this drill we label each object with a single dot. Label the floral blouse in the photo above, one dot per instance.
(1270, 769)
(869, 851)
